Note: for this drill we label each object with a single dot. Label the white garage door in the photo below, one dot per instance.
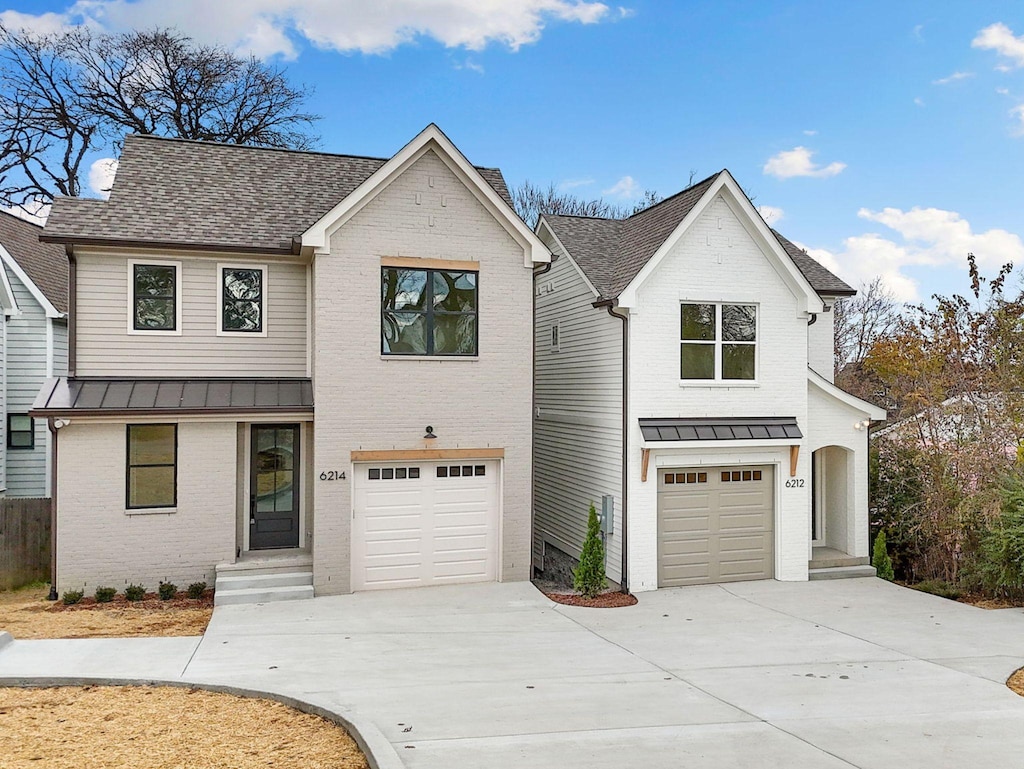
(714, 524)
(426, 523)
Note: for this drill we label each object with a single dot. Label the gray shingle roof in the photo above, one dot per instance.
(611, 252)
(46, 264)
(222, 196)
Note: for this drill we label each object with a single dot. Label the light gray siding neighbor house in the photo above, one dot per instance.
(33, 345)
(295, 372)
(684, 377)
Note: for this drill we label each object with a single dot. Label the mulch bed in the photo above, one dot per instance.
(610, 600)
(1016, 682)
(150, 601)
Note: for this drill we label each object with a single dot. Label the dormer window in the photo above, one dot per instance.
(718, 342)
(156, 297)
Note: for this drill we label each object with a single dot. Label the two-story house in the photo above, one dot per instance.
(684, 385)
(294, 371)
(33, 348)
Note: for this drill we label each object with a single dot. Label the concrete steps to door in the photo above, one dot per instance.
(828, 563)
(842, 572)
(265, 578)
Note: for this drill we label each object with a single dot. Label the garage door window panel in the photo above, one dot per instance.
(718, 342)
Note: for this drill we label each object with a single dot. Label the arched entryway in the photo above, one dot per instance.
(833, 506)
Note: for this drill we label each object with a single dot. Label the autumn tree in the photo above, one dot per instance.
(66, 95)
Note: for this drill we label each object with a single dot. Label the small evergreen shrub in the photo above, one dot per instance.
(167, 591)
(588, 577)
(72, 597)
(134, 593)
(999, 563)
(105, 594)
(880, 558)
(196, 589)
(940, 588)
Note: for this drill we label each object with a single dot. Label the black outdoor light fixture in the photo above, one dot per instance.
(430, 432)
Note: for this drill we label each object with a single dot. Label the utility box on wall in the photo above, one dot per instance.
(607, 514)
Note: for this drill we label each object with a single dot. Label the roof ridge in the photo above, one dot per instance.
(674, 195)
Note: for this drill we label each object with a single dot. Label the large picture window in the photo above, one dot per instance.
(242, 300)
(428, 312)
(718, 342)
(152, 466)
(154, 297)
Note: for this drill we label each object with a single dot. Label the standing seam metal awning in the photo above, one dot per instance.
(724, 429)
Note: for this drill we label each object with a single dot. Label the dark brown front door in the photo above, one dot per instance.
(274, 487)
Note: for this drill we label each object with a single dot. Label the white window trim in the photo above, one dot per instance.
(221, 266)
(718, 381)
(555, 339)
(177, 297)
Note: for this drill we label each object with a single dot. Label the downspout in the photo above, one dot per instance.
(72, 302)
(53, 509)
(537, 272)
(813, 319)
(610, 306)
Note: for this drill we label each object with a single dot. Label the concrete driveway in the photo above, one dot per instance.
(821, 674)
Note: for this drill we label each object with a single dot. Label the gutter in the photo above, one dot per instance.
(537, 272)
(72, 312)
(609, 304)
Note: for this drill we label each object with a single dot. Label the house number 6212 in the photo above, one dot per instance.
(795, 483)
(332, 475)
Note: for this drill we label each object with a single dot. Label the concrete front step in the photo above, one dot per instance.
(256, 579)
(842, 572)
(262, 594)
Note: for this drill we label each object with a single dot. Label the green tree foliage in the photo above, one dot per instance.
(880, 558)
(999, 562)
(588, 578)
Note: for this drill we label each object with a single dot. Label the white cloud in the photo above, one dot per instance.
(472, 66)
(570, 184)
(626, 13)
(771, 214)
(43, 24)
(918, 32)
(797, 162)
(1003, 91)
(1000, 38)
(918, 101)
(956, 76)
(810, 132)
(271, 27)
(1018, 114)
(101, 176)
(626, 188)
(927, 237)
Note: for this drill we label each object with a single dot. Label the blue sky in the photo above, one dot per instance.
(884, 132)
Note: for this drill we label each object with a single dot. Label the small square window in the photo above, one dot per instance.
(480, 470)
(387, 474)
(746, 475)
(442, 472)
(691, 477)
(757, 475)
(454, 472)
(374, 473)
(726, 477)
(20, 431)
(702, 477)
(414, 472)
(670, 478)
(400, 473)
(736, 475)
(467, 470)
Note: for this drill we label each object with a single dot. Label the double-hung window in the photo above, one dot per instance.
(156, 297)
(242, 297)
(152, 466)
(21, 433)
(428, 312)
(718, 342)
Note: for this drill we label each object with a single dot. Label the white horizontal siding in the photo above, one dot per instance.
(105, 348)
(578, 427)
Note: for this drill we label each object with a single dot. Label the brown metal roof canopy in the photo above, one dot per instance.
(725, 429)
(145, 396)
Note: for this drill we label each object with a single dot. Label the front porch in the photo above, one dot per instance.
(829, 563)
(265, 575)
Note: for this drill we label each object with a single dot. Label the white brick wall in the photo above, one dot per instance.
(98, 544)
(366, 402)
(717, 261)
(821, 351)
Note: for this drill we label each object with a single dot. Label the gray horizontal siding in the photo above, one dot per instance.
(105, 348)
(577, 432)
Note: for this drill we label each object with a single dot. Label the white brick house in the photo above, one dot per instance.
(684, 378)
(295, 372)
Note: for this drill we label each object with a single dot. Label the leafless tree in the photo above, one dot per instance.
(530, 201)
(66, 95)
(862, 320)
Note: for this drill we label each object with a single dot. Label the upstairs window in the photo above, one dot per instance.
(156, 297)
(21, 432)
(242, 296)
(718, 342)
(428, 312)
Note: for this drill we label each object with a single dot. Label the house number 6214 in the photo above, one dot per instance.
(795, 483)
(332, 475)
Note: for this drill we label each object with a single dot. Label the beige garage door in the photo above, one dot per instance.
(714, 525)
(425, 523)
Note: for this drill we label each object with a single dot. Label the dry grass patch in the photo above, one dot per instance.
(1016, 682)
(26, 614)
(71, 727)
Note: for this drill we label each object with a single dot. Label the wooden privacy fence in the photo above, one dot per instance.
(24, 542)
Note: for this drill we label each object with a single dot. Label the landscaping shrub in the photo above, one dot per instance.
(588, 577)
(105, 594)
(998, 566)
(196, 589)
(134, 592)
(167, 591)
(72, 597)
(940, 588)
(880, 558)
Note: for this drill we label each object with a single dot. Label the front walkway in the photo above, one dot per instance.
(849, 673)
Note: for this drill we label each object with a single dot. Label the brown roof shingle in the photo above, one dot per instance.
(611, 252)
(46, 264)
(221, 196)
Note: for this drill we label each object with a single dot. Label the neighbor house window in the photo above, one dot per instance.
(152, 466)
(21, 432)
(428, 312)
(155, 297)
(718, 342)
(242, 299)
(556, 337)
